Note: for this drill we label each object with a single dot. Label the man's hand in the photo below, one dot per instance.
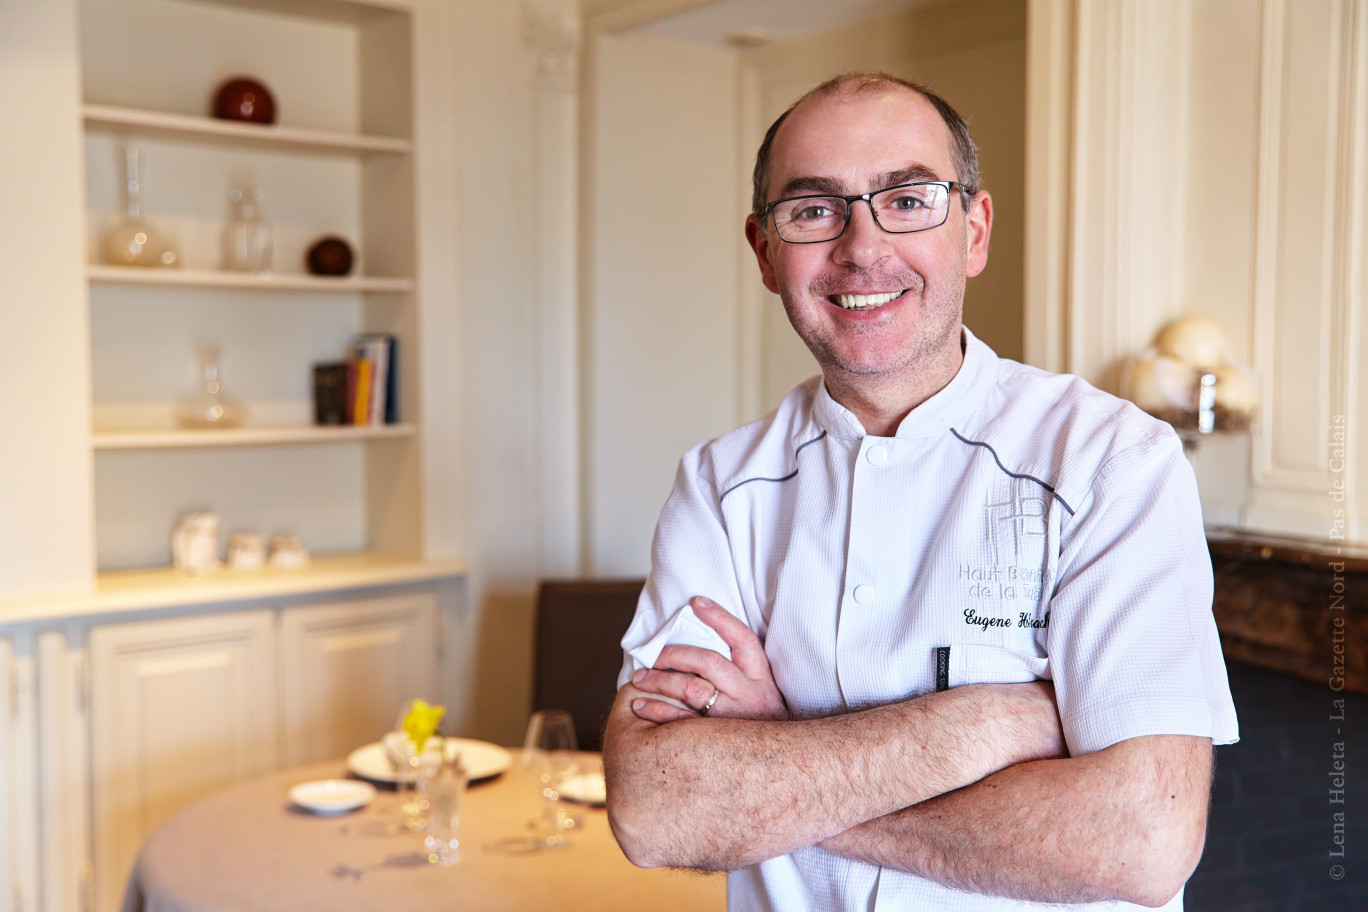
(688, 675)
(718, 793)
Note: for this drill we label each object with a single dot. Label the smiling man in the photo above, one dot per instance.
(936, 633)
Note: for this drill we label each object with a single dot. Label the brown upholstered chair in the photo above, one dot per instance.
(580, 624)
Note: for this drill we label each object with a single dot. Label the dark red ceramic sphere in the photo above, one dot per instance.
(330, 256)
(244, 99)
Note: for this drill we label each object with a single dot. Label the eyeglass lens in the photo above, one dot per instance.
(914, 207)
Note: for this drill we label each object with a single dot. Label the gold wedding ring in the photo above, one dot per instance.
(709, 705)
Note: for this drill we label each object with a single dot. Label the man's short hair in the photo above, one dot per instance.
(963, 152)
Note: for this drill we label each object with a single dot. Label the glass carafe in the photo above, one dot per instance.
(134, 241)
(210, 408)
(246, 235)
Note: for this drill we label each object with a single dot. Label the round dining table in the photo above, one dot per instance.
(249, 849)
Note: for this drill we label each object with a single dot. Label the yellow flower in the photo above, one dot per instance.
(421, 722)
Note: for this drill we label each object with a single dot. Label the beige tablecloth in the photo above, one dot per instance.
(246, 849)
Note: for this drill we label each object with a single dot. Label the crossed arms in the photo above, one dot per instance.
(969, 787)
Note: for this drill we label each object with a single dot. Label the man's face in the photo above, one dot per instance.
(850, 143)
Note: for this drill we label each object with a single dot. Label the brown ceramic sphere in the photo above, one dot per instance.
(244, 99)
(330, 256)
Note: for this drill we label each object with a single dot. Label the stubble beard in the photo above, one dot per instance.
(939, 316)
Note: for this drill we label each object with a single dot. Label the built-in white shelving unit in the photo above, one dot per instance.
(337, 161)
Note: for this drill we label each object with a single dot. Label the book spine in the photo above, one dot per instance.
(330, 393)
(361, 404)
(392, 383)
(349, 402)
(377, 351)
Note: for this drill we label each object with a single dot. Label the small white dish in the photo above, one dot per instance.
(332, 796)
(586, 788)
(480, 759)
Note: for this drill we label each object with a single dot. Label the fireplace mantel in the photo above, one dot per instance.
(1293, 605)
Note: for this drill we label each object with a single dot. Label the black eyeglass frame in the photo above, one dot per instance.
(868, 200)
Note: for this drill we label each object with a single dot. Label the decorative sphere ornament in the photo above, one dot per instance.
(330, 256)
(1160, 382)
(1235, 391)
(1196, 341)
(246, 100)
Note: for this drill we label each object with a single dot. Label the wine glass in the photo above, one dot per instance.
(549, 754)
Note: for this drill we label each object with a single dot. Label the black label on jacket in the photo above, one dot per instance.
(942, 668)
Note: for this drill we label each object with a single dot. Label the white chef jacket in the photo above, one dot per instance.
(1019, 525)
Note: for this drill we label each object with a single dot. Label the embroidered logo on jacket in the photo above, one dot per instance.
(1018, 522)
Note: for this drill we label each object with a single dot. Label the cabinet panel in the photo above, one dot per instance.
(345, 669)
(180, 708)
(18, 784)
(1309, 235)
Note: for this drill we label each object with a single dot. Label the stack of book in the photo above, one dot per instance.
(362, 389)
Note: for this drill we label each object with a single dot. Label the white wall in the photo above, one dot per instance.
(46, 478)
(497, 257)
(661, 314)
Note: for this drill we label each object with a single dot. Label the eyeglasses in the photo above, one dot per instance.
(897, 210)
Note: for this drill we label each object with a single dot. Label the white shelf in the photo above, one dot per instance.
(189, 127)
(171, 439)
(352, 11)
(205, 278)
(163, 587)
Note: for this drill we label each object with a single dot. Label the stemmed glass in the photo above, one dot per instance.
(549, 753)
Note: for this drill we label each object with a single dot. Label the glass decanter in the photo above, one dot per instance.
(134, 242)
(246, 235)
(210, 408)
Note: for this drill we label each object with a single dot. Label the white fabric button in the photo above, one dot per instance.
(864, 594)
(877, 455)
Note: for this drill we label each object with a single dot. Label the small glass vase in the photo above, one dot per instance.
(134, 241)
(246, 235)
(414, 770)
(210, 408)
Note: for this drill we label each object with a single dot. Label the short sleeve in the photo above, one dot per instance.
(1132, 641)
(690, 556)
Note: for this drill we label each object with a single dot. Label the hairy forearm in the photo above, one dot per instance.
(724, 793)
(1125, 823)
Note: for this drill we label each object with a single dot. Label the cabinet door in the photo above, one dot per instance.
(345, 668)
(18, 783)
(179, 709)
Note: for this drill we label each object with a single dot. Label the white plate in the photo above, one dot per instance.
(586, 788)
(480, 758)
(332, 796)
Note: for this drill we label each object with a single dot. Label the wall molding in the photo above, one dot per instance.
(1049, 138)
(1308, 264)
(1355, 266)
(1130, 136)
(551, 29)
